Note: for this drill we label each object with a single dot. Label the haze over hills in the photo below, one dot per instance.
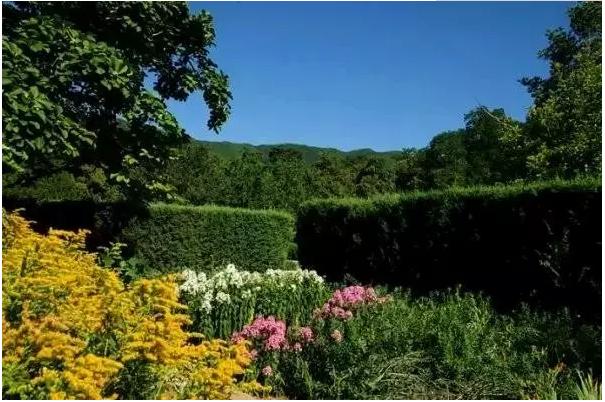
(232, 150)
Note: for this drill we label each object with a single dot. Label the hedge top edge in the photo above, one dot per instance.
(580, 183)
(219, 209)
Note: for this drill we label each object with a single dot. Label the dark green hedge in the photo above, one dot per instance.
(104, 220)
(206, 237)
(539, 242)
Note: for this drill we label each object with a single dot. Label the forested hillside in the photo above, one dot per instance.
(310, 154)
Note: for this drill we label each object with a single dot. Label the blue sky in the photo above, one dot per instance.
(369, 75)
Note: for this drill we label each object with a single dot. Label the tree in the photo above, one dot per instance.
(197, 174)
(248, 180)
(489, 159)
(445, 162)
(290, 179)
(73, 85)
(409, 172)
(563, 133)
(331, 176)
(374, 176)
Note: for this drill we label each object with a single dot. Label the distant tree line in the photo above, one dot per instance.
(561, 137)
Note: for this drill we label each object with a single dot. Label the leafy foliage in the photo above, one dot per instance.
(563, 135)
(73, 89)
(445, 346)
(202, 238)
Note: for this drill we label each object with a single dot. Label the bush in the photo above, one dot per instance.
(72, 330)
(446, 346)
(104, 220)
(539, 242)
(204, 237)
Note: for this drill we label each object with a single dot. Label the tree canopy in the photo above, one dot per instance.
(563, 132)
(74, 90)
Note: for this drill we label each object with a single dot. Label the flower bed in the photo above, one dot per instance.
(224, 302)
(72, 330)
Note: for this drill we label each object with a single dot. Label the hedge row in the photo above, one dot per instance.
(168, 237)
(105, 221)
(205, 237)
(539, 242)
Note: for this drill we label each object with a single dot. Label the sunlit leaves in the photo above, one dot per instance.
(74, 93)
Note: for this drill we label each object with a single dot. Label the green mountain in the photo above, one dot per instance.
(232, 150)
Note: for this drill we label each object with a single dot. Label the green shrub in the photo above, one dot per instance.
(204, 237)
(104, 220)
(446, 346)
(538, 242)
(57, 187)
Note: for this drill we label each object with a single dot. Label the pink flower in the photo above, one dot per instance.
(336, 335)
(344, 301)
(253, 354)
(297, 347)
(270, 333)
(267, 371)
(306, 334)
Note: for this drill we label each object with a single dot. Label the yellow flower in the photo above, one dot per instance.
(73, 324)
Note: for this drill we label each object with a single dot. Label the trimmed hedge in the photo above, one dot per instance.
(207, 237)
(539, 242)
(104, 220)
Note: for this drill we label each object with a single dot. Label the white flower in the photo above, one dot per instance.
(221, 286)
(222, 298)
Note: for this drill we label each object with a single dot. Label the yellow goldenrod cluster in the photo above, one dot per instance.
(70, 326)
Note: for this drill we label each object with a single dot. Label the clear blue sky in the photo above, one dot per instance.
(369, 75)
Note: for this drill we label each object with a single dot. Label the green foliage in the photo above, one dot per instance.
(206, 237)
(73, 89)
(197, 175)
(374, 176)
(129, 269)
(409, 170)
(489, 158)
(588, 388)
(563, 134)
(485, 238)
(278, 178)
(446, 163)
(332, 176)
(447, 346)
(56, 187)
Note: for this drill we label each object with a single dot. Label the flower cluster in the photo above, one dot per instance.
(69, 326)
(336, 335)
(306, 334)
(225, 285)
(269, 332)
(344, 301)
